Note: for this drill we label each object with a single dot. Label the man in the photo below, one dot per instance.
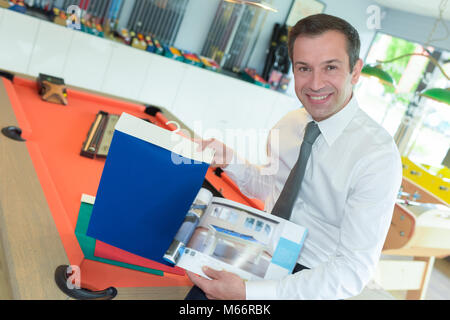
(349, 183)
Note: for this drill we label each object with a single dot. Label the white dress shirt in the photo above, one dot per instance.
(346, 201)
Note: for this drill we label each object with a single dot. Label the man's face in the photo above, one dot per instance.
(323, 81)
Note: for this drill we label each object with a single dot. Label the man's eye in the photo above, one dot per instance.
(331, 67)
(303, 69)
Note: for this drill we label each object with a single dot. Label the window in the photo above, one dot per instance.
(267, 229)
(249, 222)
(225, 214)
(259, 225)
(429, 139)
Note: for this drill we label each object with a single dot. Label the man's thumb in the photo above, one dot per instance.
(210, 272)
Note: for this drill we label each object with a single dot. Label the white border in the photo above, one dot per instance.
(163, 138)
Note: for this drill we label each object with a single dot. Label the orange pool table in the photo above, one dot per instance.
(41, 182)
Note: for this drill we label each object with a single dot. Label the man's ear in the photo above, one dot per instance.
(356, 73)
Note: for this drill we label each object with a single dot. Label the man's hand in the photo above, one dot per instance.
(224, 285)
(222, 156)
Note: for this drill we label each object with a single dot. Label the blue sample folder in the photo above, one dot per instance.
(147, 186)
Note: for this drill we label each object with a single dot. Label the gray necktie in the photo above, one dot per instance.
(285, 203)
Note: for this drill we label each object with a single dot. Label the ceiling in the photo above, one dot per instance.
(421, 7)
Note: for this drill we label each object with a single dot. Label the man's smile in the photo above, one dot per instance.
(319, 99)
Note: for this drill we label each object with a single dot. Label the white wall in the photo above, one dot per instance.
(17, 45)
(196, 24)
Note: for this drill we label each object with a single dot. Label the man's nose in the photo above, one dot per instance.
(317, 81)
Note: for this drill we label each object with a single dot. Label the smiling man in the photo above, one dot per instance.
(339, 175)
(324, 77)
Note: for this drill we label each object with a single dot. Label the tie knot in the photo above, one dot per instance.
(311, 133)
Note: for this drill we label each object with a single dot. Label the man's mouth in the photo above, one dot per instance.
(319, 98)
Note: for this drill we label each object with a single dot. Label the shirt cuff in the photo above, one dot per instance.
(261, 290)
(236, 168)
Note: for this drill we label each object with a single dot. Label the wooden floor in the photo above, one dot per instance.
(5, 290)
(439, 286)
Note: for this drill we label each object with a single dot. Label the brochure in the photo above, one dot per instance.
(226, 235)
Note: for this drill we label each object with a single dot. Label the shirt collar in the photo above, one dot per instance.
(332, 127)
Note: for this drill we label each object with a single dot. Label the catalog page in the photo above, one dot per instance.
(243, 240)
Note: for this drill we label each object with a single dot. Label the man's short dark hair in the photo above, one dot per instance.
(318, 24)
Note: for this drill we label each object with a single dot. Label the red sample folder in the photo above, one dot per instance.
(106, 251)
